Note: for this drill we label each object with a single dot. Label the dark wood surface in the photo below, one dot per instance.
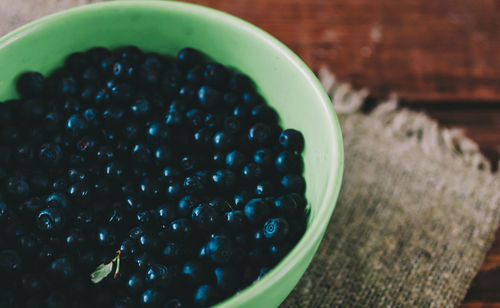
(442, 57)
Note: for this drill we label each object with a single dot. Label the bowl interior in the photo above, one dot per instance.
(281, 77)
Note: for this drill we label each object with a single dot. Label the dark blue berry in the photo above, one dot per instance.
(275, 229)
(226, 278)
(220, 249)
(62, 270)
(252, 172)
(257, 210)
(173, 251)
(291, 140)
(150, 298)
(265, 189)
(106, 237)
(235, 220)
(140, 107)
(76, 125)
(18, 187)
(141, 153)
(160, 275)
(259, 134)
(223, 141)
(180, 229)
(209, 97)
(205, 296)
(10, 263)
(287, 206)
(204, 217)
(235, 160)
(194, 272)
(216, 74)
(288, 162)
(30, 84)
(189, 57)
(240, 83)
(293, 183)
(225, 179)
(135, 284)
(157, 133)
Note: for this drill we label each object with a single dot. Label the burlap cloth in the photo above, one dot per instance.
(417, 211)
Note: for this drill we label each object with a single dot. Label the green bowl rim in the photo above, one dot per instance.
(323, 215)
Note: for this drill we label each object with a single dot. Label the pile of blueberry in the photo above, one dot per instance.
(130, 179)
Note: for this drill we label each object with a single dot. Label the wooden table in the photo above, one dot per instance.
(442, 57)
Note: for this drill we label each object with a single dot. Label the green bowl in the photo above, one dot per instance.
(281, 77)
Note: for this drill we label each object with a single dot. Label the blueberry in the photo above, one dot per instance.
(173, 251)
(232, 99)
(157, 133)
(223, 141)
(203, 137)
(56, 200)
(189, 57)
(276, 229)
(226, 278)
(30, 84)
(76, 62)
(264, 113)
(241, 112)
(62, 270)
(105, 153)
(220, 249)
(174, 118)
(175, 190)
(205, 295)
(235, 160)
(240, 83)
(259, 134)
(194, 185)
(180, 229)
(215, 74)
(113, 115)
(279, 251)
(75, 240)
(67, 86)
(24, 154)
(135, 284)
(160, 275)
(106, 237)
(18, 187)
(141, 153)
(113, 170)
(194, 117)
(235, 220)
(129, 53)
(204, 217)
(195, 75)
(194, 272)
(140, 107)
(256, 210)
(292, 140)
(242, 197)
(143, 261)
(170, 172)
(28, 244)
(209, 97)
(252, 172)
(287, 206)
(150, 298)
(175, 303)
(265, 189)
(293, 183)
(76, 125)
(123, 70)
(225, 179)
(128, 248)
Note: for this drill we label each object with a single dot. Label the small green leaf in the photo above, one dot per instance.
(101, 272)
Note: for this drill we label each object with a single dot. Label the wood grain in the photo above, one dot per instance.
(442, 57)
(423, 50)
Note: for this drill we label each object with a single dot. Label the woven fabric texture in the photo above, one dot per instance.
(416, 214)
